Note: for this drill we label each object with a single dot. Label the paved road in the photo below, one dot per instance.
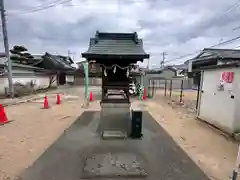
(157, 154)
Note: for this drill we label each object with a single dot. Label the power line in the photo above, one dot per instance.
(5, 35)
(39, 6)
(232, 7)
(236, 28)
(47, 6)
(225, 42)
(42, 7)
(183, 56)
(215, 45)
(55, 3)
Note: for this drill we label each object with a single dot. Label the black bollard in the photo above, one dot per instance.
(136, 125)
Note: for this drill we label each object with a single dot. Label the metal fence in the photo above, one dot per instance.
(181, 90)
(175, 83)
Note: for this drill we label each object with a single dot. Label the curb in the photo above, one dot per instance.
(21, 101)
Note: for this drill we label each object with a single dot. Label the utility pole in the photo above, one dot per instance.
(71, 53)
(6, 46)
(163, 59)
(148, 65)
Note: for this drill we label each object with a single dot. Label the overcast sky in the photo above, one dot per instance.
(177, 27)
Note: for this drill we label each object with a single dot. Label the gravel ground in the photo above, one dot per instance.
(189, 97)
(34, 129)
(213, 152)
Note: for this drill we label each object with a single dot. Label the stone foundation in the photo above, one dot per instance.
(115, 117)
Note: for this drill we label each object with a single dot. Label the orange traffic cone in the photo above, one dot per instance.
(91, 96)
(3, 116)
(58, 99)
(144, 94)
(45, 103)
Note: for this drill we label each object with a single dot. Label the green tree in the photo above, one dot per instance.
(20, 55)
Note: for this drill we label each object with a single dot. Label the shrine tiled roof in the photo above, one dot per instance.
(116, 44)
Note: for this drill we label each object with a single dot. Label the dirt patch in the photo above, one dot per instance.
(215, 154)
(189, 98)
(33, 130)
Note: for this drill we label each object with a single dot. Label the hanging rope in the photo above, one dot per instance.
(114, 68)
(116, 65)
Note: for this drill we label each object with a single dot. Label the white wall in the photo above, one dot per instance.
(217, 107)
(91, 80)
(236, 123)
(69, 78)
(23, 71)
(167, 74)
(3, 60)
(40, 82)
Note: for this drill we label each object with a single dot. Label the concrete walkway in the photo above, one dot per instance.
(80, 153)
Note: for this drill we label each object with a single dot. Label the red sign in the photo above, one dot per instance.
(227, 77)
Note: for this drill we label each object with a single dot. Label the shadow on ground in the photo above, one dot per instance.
(80, 154)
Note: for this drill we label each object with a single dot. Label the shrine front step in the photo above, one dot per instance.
(115, 120)
(114, 134)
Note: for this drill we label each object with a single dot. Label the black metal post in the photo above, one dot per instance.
(165, 88)
(150, 85)
(198, 91)
(170, 88)
(153, 88)
(234, 175)
(181, 93)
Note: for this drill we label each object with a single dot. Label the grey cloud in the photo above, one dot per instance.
(73, 33)
(19, 29)
(211, 26)
(177, 36)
